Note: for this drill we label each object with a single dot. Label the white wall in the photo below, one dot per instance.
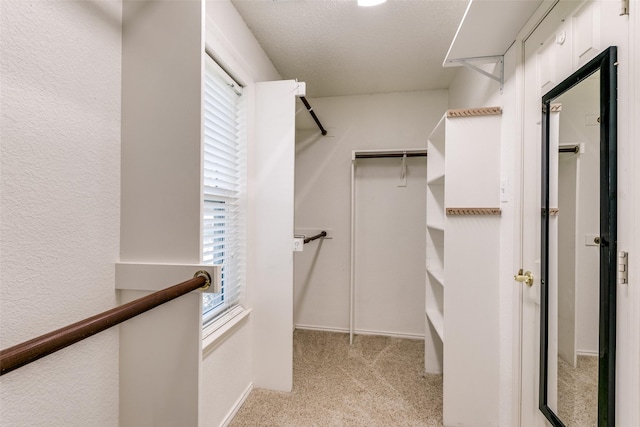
(161, 131)
(227, 367)
(471, 89)
(390, 250)
(162, 45)
(60, 198)
(226, 376)
(614, 31)
(163, 55)
(61, 86)
(323, 194)
(631, 315)
(566, 257)
(272, 290)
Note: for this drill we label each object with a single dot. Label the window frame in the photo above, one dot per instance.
(220, 314)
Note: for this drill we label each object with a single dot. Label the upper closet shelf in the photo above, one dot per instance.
(487, 30)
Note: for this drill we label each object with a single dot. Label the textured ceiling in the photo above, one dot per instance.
(338, 48)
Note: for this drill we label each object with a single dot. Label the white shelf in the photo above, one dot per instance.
(436, 149)
(497, 34)
(437, 134)
(437, 321)
(436, 180)
(470, 156)
(434, 226)
(437, 273)
(434, 292)
(466, 145)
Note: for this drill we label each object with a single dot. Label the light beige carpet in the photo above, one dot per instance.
(379, 381)
(578, 392)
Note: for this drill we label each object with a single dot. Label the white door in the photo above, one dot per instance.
(571, 34)
(544, 64)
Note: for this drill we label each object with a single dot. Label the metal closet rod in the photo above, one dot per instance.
(313, 114)
(382, 155)
(317, 236)
(570, 149)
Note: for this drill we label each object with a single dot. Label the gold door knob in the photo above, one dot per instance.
(527, 277)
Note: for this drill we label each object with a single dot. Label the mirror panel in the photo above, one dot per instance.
(574, 263)
(578, 241)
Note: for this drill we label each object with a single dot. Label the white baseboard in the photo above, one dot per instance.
(320, 328)
(587, 353)
(361, 332)
(232, 413)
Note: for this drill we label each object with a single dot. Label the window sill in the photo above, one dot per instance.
(218, 331)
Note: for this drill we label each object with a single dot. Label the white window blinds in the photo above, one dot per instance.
(223, 182)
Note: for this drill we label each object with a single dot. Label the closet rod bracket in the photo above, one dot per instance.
(471, 64)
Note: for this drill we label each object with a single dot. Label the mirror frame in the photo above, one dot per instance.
(606, 63)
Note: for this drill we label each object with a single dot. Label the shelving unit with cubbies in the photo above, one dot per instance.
(434, 295)
(462, 242)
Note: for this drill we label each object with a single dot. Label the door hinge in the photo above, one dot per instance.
(624, 7)
(623, 267)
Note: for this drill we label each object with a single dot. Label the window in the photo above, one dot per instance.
(223, 182)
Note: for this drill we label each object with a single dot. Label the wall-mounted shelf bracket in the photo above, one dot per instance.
(471, 63)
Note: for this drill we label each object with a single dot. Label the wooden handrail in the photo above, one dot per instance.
(34, 349)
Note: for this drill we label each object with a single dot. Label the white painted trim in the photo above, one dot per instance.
(390, 334)
(320, 328)
(633, 287)
(518, 199)
(353, 249)
(360, 332)
(216, 332)
(234, 410)
(587, 353)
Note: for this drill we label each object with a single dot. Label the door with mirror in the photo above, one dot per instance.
(569, 312)
(569, 221)
(578, 247)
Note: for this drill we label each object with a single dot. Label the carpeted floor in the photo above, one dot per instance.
(379, 381)
(578, 392)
